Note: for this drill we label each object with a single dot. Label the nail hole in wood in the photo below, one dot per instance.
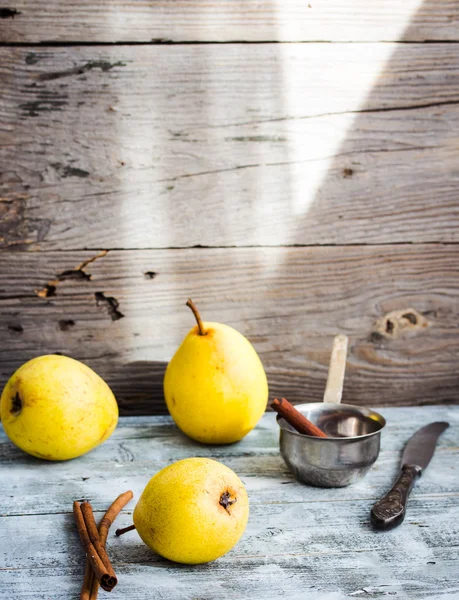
(66, 324)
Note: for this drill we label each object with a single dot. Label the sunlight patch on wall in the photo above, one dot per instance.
(317, 123)
(341, 90)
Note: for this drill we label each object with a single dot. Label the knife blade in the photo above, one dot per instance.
(390, 511)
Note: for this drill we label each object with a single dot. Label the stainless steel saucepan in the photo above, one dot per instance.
(354, 433)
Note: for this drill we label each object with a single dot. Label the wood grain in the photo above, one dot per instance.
(290, 302)
(147, 150)
(223, 145)
(298, 537)
(248, 20)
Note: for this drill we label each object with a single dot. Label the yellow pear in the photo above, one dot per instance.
(215, 385)
(193, 511)
(55, 407)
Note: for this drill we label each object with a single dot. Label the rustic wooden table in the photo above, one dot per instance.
(300, 542)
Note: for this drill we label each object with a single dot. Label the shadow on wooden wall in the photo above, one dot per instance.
(390, 183)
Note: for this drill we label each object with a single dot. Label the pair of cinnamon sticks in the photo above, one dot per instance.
(99, 570)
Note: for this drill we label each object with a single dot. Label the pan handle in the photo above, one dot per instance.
(335, 379)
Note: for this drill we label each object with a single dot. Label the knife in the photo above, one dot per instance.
(389, 512)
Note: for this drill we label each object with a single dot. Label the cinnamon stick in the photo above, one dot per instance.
(88, 580)
(91, 526)
(104, 527)
(296, 419)
(105, 576)
(90, 588)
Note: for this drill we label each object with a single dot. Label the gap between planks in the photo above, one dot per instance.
(249, 21)
(160, 42)
(229, 247)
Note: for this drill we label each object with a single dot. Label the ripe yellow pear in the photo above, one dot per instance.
(193, 511)
(215, 385)
(55, 407)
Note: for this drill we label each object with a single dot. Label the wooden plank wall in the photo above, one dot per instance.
(294, 190)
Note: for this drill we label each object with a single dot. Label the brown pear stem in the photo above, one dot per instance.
(192, 305)
(124, 530)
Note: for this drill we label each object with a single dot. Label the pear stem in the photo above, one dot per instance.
(124, 530)
(191, 305)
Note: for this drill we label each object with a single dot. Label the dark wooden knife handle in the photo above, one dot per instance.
(390, 510)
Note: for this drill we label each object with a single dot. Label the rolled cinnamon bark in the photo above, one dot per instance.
(105, 575)
(91, 585)
(296, 419)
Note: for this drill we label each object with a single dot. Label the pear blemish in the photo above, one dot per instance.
(16, 405)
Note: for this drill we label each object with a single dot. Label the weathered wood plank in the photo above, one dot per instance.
(251, 20)
(141, 446)
(302, 537)
(324, 528)
(222, 145)
(299, 539)
(289, 302)
(41, 491)
(368, 575)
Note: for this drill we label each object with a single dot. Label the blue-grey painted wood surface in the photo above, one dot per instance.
(301, 542)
